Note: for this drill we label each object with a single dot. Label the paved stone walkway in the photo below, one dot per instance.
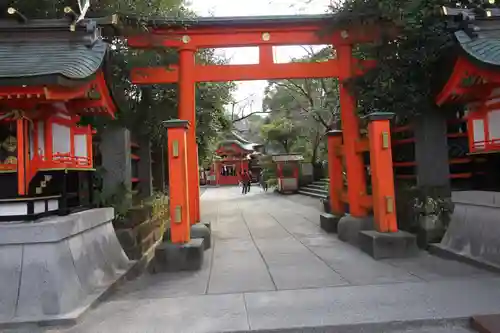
(272, 267)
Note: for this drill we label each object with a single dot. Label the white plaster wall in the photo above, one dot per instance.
(81, 145)
(11, 209)
(61, 139)
(478, 128)
(53, 205)
(494, 124)
(39, 207)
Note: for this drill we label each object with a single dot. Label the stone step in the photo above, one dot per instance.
(317, 186)
(314, 190)
(312, 194)
(319, 183)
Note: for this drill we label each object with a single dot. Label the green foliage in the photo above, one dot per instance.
(281, 131)
(409, 62)
(54, 8)
(311, 104)
(119, 198)
(160, 204)
(269, 171)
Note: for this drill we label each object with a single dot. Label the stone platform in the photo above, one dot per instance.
(473, 234)
(53, 269)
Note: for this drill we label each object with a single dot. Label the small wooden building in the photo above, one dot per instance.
(234, 155)
(473, 84)
(49, 77)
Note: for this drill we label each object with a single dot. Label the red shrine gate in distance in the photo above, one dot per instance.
(187, 36)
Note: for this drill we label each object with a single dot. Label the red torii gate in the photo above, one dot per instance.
(187, 36)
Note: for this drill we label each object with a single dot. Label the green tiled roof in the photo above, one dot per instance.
(31, 55)
(234, 138)
(481, 42)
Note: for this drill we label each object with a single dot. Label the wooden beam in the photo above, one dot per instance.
(108, 102)
(462, 69)
(362, 145)
(248, 37)
(63, 93)
(223, 73)
(80, 104)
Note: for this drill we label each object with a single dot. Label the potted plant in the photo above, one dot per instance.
(432, 218)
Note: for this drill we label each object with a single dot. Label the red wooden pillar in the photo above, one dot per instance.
(335, 172)
(356, 180)
(21, 156)
(384, 206)
(178, 178)
(187, 111)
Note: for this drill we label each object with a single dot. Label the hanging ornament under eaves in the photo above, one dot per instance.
(10, 144)
(83, 6)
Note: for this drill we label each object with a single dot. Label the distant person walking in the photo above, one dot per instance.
(249, 182)
(263, 181)
(244, 182)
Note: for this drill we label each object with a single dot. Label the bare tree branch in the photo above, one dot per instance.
(238, 107)
(315, 116)
(249, 115)
(307, 93)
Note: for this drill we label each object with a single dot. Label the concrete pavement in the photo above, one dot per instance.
(272, 267)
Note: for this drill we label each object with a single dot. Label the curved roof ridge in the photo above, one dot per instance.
(48, 56)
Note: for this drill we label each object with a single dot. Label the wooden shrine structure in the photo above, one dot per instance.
(234, 155)
(188, 36)
(474, 80)
(52, 73)
(49, 77)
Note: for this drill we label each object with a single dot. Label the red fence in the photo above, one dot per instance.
(462, 165)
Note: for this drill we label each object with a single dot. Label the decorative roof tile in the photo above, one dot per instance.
(41, 54)
(481, 43)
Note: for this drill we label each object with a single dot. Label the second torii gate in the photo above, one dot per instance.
(188, 36)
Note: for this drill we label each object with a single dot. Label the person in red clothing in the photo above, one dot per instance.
(244, 181)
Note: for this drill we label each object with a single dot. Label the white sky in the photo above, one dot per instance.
(254, 90)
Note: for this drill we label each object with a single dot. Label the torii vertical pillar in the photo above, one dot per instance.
(187, 111)
(21, 156)
(178, 177)
(335, 172)
(180, 252)
(382, 175)
(350, 225)
(356, 180)
(386, 241)
(329, 222)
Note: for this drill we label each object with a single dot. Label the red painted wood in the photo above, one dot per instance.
(350, 130)
(286, 34)
(223, 73)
